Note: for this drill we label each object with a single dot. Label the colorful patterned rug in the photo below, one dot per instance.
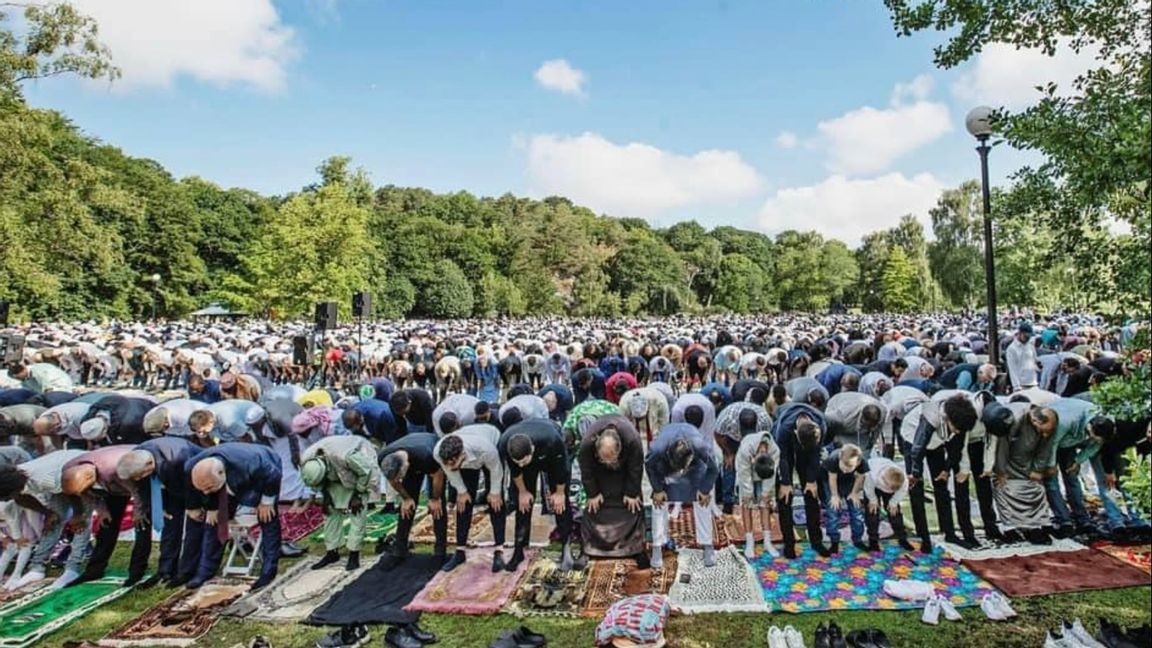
(471, 588)
(612, 580)
(378, 525)
(294, 594)
(547, 591)
(422, 531)
(299, 523)
(854, 580)
(1136, 555)
(181, 619)
(728, 586)
(29, 623)
(1057, 573)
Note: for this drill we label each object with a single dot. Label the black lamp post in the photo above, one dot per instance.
(979, 124)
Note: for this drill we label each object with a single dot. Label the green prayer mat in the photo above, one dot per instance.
(32, 621)
(378, 525)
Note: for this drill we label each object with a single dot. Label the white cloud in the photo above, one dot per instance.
(559, 75)
(787, 140)
(847, 209)
(635, 179)
(1005, 76)
(869, 140)
(216, 41)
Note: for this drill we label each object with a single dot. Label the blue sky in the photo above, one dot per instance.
(762, 115)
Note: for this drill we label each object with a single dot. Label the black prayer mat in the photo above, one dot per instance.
(379, 596)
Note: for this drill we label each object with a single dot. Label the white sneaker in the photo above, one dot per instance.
(771, 549)
(1053, 642)
(750, 549)
(931, 614)
(776, 638)
(948, 609)
(990, 609)
(33, 576)
(65, 579)
(1002, 603)
(1081, 634)
(793, 637)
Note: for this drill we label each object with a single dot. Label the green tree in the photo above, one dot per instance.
(445, 293)
(55, 39)
(900, 283)
(955, 255)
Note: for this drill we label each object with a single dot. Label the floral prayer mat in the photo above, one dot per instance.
(989, 550)
(547, 591)
(1136, 555)
(422, 530)
(378, 525)
(1057, 573)
(612, 580)
(294, 594)
(298, 523)
(471, 588)
(854, 580)
(726, 529)
(28, 623)
(728, 586)
(181, 619)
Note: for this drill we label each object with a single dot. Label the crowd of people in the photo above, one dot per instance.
(843, 416)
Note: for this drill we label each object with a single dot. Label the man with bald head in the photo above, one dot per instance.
(93, 478)
(37, 486)
(611, 458)
(156, 467)
(233, 478)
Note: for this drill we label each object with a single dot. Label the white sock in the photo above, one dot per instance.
(65, 579)
(749, 546)
(657, 557)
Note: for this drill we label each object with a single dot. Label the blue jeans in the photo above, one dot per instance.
(1117, 517)
(1073, 496)
(832, 518)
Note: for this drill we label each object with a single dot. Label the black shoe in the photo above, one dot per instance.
(384, 544)
(822, 550)
(392, 560)
(132, 580)
(525, 638)
(1037, 537)
(455, 561)
(153, 581)
(420, 634)
(821, 638)
(878, 639)
(398, 637)
(1061, 532)
(904, 544)
(498, 564)
(925, 546)
(971, 543)
(514, 563)
(993, 535)
(875, 546)
(860, 546)
(353, 561)
(790, 551)
(351, 636)
(261, 583)
(858, 639)
(330, 558)
(836, 636)
(834, 548)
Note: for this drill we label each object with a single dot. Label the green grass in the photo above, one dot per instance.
(1131, 606)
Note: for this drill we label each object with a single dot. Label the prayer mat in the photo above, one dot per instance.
(614, 579)
(14, 599)
(471, 588)
(854, 580)
(1057, 573)
(295, 594)
(29, 623)
(547, 591)
(422, 530)
(299, 523)
(729, 586)
(990, 549)
(379, 595)
(539, 534)
(182, 618)
(1135, 555)
(726, 529)
(378, 525)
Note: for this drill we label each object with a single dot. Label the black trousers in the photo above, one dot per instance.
(938, 463)
(536, 481)
(811, 519)
(106, 543)
(872, 520)
(983, 489)
(412, 482)
(464, 517)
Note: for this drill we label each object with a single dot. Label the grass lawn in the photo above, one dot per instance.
(1131, 606)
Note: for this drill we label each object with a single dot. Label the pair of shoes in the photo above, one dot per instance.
(788, 637)
(521, 637)
(868, 638)
(1114, 636)
(330, 558)
(950, 612)
(996, 607)
(1075, 635)
(351, 636)
(408, 636)
(259, 641)
(829, 636)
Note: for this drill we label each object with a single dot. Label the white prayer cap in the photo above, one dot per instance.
(94, 428)
(638, 405)
(254, 415)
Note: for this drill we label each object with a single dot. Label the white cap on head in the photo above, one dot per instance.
(254, 415)
(94, 428)
(638, 406)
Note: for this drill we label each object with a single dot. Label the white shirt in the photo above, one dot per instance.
(479, 452)
(746, 455)
(1021, 360)
(875, 466)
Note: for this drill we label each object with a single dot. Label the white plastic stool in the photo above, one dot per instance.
(237, 536)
